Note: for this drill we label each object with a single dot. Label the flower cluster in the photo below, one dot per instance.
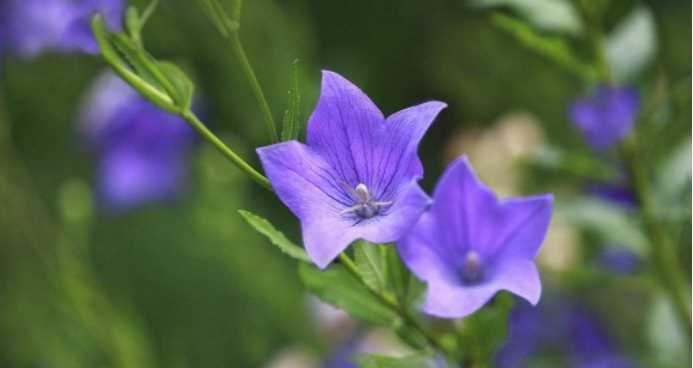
(357, 178)
(559, 324)
(141, 150)
(30, 26)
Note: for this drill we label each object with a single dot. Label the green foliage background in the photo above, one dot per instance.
(199, 287)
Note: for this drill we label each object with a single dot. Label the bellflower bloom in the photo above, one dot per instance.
(356, 178)
(607, 116)
(617, 195)
(470, 245)
(558, 325)
(31, 26)
(141, 150)
(620, 260)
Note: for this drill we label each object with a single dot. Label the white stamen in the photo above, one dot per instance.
(362, 193)
(472, 270)
(364, 207)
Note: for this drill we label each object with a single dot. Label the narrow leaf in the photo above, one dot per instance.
(183, 87)
(610, 223)
(121, 67)
(632, 44)
(370, 264)
(291, 123)
(545, 15)
(275, 236)
(338, 287)
(552, 48)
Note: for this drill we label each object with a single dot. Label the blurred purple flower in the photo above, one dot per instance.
(356, 178)
(618, 195)
(561, 328)
(607, 116)
(470, 245)
(30, 26)
(619, 260)
(142, 151)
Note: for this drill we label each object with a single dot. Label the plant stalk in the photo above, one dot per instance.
(190, 117)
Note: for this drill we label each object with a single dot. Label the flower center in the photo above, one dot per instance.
(472, 271)
(364, 206)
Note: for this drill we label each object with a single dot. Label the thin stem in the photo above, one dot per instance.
(237, 47)
(225, 150)
(406, 317)
(664, 258)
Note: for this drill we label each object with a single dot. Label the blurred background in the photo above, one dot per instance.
(182, 281)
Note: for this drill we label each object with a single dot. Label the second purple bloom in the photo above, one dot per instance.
(356, 178)
(470, 245)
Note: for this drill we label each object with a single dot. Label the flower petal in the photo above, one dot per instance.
(311, 189)
(349, 131)
(523, 226)
(328, 235)
(452, 300)
(419, 252)
(396, 160)
(303, 180)
(342, 127)
(463, 206)
(475, 219)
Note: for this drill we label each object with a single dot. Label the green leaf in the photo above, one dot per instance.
(275, 236)
(124, 68)
(370, 264)
(612, 224)
(545, 15)
(162, 83)
(397, 275)
(673, 182)
(134, 22)
(291, 123)
(182, 86)
(632, 44)
(339, 287)
(552, 48)
(485, 330)
(409, 361)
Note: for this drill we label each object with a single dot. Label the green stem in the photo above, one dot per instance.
(398, 309)
(663, 254)
(225, 150)
(237, 47)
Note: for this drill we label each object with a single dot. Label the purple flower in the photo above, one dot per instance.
(141, 150)
(31, 26)
(558, 325)
(607, 116)
(619, 260)
(356, 178)
(615, 194)
(470, 245)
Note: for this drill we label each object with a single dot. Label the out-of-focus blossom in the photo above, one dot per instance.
(30, 26)
(356, 178)
(142, 151)
(619, 260)
(605, 117)
(470, 245)
(562, 329)
(618, 195)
